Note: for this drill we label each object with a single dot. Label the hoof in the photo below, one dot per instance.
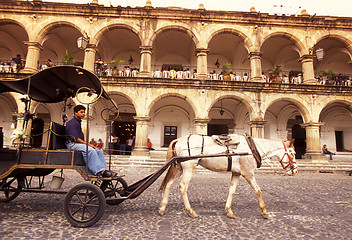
(161, 212)
(231, 215)
(193, 214)
(265, 215)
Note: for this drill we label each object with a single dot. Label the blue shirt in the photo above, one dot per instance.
(74, 129)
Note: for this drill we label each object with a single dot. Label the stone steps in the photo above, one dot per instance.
(154, 162)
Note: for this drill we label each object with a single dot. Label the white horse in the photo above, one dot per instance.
(240, 165)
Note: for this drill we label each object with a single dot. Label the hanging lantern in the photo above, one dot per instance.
(320, 54)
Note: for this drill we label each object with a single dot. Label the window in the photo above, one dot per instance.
(170, 133)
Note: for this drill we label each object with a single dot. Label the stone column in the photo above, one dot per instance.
(89, 57)
(256, 67)
(202, 63)
(146, 61)
(313, 151)
(141, 140)
(308, 69)
(257, 128)
(201, 125)
(32, 57)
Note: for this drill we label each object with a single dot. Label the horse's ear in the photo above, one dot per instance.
(291, 142)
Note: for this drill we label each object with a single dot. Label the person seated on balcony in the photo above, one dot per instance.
(326, 151)
(180, 74)
(245, 77)
(172, 73)
(263, 77)
(134, 72)
(19, 62)
(187, 74)
(285, 79)
(165, 73)
(75, 141)
(127, 71)
(99, 66)
(194, 75)
(299, 78)
(157, 73)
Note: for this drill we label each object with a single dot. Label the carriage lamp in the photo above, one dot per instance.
(320, 54)
(82, 42)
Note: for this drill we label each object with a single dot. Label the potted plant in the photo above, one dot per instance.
(68, 58)
(114, 67)
(276, 72)
(225, 71)
(330, 75)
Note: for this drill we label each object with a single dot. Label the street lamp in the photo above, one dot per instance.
(82, 42)
(320, 54)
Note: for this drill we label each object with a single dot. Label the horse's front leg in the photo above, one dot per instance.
(186, 178)
(251, 180)
(233, 185)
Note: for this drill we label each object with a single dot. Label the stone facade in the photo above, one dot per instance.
(252, 42)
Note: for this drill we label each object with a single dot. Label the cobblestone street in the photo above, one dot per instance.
(306, 206)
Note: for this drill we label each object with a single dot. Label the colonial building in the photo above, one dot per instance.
(170, 82)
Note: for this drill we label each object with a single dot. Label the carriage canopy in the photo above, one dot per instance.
(55, 84)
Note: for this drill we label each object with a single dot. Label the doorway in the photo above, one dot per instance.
(339, 141)
(217, 129)
(299, 134)
(170, 133)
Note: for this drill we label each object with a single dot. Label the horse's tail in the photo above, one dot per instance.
(174, 170)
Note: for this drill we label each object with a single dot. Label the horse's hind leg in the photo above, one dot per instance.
(186, 178)
(172, 175)
(251, 180)
(233, 185)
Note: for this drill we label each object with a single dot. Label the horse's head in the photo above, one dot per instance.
(289, 157)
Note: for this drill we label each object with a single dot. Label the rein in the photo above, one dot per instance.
(252, 146)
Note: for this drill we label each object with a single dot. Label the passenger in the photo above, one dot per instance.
(75, 141)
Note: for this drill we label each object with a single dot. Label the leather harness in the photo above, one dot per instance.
(250, 143)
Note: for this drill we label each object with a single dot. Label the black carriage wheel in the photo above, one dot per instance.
(84, 205)
(112, 189)
(9, 189)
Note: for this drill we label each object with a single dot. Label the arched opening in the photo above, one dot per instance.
(335, 68)
(173, 49)
(283, 121)
(40, 123)
(171, 117)
(60, 42)
(8, 116)
(228, 115)
(118, 43)
(337, 130)
(228, 47)
(12, 38)
(281, 50)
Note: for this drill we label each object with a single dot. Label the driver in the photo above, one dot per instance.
(96, 159)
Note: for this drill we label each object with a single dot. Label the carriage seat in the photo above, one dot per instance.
(57, 137)
(57, 141)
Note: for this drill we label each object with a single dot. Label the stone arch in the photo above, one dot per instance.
(288, 36)
(338, 37)
(181, 96)
(244, 99)
(46, 29)
(244, 37)
(13, 21)
(100, 32)
(299, 104)
(112, 93)
(181, 28)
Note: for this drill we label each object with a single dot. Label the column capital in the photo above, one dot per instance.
(201, 120)
(142, 119)
(33, 44)
(255, 54)
(312, 124)
(146, 49)
(257, 123)
(306, 58)
(202, 50)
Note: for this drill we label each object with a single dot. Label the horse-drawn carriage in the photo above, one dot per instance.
(85, 203)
